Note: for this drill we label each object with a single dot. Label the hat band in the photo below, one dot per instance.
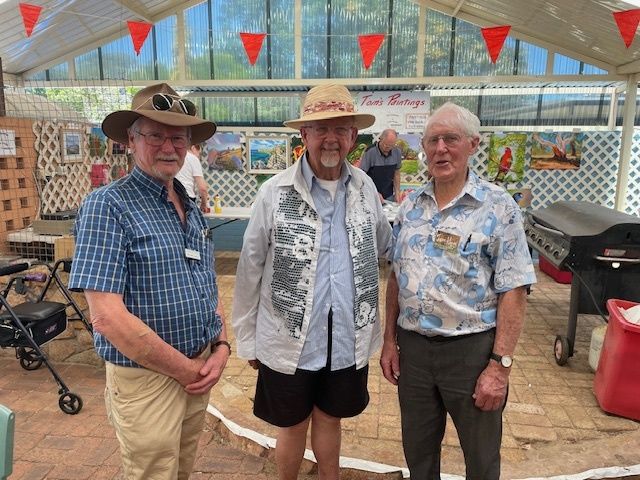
(331, 106)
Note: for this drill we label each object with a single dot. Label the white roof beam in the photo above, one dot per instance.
(136, 9)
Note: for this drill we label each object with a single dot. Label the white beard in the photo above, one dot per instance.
(330, 159)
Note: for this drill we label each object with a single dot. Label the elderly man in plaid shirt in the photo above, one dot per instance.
(144, 258)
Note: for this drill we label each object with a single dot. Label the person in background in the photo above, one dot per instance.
(455, 303)
(382, 162)
(305, 310)
(191, 177)
(144, 258)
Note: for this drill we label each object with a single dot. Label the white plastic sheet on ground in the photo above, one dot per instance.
(374, 467)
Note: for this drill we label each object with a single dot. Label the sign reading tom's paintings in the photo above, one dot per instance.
(405, 112)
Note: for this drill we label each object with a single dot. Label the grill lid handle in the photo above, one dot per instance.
(552, 231)
(602, 258)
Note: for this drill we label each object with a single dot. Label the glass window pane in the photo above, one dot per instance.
(470, 102)
(59, 72)
(565, 66)
(119, 60)
(41, 75)
(196, 31)
(282, 39)
(532, 60)
(314, 40)
(230, 61)
(230, 111)
(273, 111)
(588, 69)
(88, 66)
(509, 110)
(350, 18)
(574, 109)
(437, 45)
(404, 39)
(472, 57)
(166, 47)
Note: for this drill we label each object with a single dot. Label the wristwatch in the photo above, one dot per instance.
(505, 360)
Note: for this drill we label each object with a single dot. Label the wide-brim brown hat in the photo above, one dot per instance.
(161, 104)
(329, 101)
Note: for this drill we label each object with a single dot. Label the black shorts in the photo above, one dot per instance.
(286, 400)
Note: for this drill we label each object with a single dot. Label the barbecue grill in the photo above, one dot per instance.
(599, 246)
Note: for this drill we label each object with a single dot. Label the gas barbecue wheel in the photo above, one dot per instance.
(561, 350)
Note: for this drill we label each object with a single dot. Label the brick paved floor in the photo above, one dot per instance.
(553, 424)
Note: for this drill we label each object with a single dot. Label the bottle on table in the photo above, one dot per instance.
(217, 204)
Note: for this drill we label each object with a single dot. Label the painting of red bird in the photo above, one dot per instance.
(505, 165)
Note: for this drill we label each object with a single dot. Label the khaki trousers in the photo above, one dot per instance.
(156, 422)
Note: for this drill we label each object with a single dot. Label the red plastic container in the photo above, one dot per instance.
(559, 276)
(617, 380)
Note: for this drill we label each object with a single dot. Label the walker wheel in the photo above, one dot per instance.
(29, 358)
(561, 350)
(70, 403)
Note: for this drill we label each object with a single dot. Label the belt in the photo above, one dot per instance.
(450, 338)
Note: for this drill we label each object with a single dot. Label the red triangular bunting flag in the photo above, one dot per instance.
(369, 45)
(139, 32)
(252, 45)
(627, 24)
(30, 14)
(494, 37)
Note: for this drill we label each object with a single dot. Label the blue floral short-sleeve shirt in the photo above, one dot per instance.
(452, 264)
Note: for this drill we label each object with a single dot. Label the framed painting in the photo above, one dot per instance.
(116, 148)
(97, 142)
(71, 145)
(556, 150)
(223, 151)
(506, 157)
(267, 154)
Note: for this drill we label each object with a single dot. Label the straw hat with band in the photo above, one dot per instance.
(329, 101)
(161, 104)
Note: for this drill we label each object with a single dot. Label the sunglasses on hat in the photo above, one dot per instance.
(164, 102)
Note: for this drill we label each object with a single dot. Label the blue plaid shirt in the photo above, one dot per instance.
(129, 240)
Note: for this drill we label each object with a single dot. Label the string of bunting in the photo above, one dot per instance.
(494, 37)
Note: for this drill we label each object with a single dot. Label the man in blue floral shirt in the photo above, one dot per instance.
(455, 303)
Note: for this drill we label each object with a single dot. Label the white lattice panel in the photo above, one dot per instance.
(633, 187)
(64, 184)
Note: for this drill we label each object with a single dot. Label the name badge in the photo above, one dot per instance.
(446, 241)
(192, 254)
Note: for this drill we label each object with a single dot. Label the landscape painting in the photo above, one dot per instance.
(268, 154)
(559, 150)
(223, 151)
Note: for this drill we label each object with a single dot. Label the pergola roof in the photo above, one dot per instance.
(581, 29)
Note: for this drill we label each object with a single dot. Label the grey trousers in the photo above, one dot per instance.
(436, 377)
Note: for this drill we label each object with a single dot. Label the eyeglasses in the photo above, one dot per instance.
(164, 102)
(157, 139)
(323, 131)
(450, 140)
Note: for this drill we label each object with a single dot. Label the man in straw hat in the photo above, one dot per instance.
(305, 310)
(144, 258)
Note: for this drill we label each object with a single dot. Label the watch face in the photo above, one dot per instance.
(506, 361)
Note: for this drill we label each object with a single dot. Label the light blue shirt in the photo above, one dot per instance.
(452, 264)
(334, 286)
